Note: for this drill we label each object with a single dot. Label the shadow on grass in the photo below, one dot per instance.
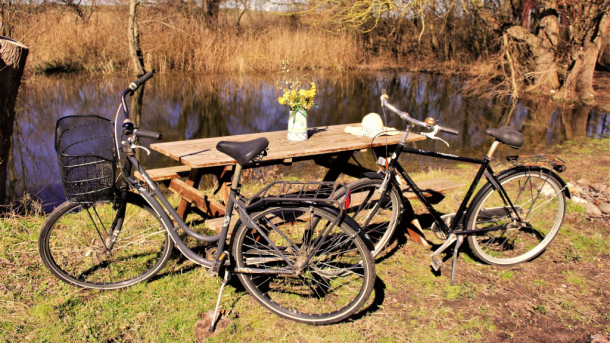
(379, 289)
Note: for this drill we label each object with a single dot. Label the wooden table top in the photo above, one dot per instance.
(202, 153)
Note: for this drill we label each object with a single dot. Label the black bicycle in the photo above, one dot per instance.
(293, 249)
(511, 219)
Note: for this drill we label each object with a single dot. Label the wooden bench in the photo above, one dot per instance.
(164, 174)
(434, 185)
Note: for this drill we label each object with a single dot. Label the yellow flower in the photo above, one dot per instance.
(293, 97)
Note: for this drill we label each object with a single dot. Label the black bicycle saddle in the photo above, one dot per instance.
(507, 135)
(243, 152)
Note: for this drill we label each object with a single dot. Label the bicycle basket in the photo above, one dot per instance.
(87, 157)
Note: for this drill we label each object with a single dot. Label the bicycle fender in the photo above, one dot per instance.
(508, 172)
(566, 191)
(374, 175)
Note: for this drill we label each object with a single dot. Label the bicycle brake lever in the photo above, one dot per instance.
(141, 147)
(432, 135)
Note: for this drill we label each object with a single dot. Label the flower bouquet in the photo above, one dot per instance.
(298, 101)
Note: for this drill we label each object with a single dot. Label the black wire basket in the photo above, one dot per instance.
(87, 157)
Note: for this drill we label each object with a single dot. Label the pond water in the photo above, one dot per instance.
(201, 106)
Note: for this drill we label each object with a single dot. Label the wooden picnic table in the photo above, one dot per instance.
(328, 146)
(201, 156)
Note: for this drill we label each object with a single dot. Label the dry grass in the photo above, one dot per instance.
(171, 42)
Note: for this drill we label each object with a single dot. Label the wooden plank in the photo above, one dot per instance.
(437, 185)
(216, 224)
(198, 153)
(193, 182)
(162, 174)
(192, 195)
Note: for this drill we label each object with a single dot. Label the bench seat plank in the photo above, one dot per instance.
(162, 174)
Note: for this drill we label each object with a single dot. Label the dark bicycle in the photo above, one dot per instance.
(512, 218)
(292, 248)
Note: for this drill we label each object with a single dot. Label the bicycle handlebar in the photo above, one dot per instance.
(137, 83)
(405, 116)
(147, 134)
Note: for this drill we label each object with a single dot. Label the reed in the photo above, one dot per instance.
(60, 41)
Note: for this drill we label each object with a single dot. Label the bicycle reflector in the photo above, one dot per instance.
(348, 199)
(383, 163)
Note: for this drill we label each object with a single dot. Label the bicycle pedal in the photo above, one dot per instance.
(218, 264)
(437, 262)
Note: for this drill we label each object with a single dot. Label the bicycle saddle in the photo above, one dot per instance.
(507, 135)
(243, 152)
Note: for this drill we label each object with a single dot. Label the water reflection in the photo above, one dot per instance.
(189, 107)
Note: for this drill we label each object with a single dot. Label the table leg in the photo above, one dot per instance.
(193, 180)
(337, 166)
(412, 224)
(225, 180)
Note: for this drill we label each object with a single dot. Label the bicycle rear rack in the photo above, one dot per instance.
(307, 192)
(552, 161)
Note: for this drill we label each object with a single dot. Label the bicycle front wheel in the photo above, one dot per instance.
(76, 244)
(328, 288)
(539, 201)
(365, 199)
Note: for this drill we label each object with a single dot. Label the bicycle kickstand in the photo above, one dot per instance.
(218, 267)
(458, 242)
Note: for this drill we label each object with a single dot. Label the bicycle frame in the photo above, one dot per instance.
(394, 166)
(162, 207)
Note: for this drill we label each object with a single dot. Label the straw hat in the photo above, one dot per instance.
(371, 126)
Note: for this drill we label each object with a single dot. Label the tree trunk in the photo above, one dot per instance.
(135, 51)
(431, 19)
(584, 56)
(604, 54)
(543, 47)
(12, 63)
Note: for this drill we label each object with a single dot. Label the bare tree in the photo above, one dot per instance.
(83, 8)
(133, 35)
(7, 15)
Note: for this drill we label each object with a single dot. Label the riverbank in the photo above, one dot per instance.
(562, 296)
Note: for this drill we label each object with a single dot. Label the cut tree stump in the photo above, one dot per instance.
(12, 63)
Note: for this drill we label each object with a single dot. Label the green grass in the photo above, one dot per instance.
(567, 287)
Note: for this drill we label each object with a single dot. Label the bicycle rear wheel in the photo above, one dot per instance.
(540, 202)
(331, 287)
(75, 239)
(365, 196)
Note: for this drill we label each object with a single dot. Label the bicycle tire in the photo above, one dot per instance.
(73, 241)
(522, 242)
(320, 294)
(383, 224)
